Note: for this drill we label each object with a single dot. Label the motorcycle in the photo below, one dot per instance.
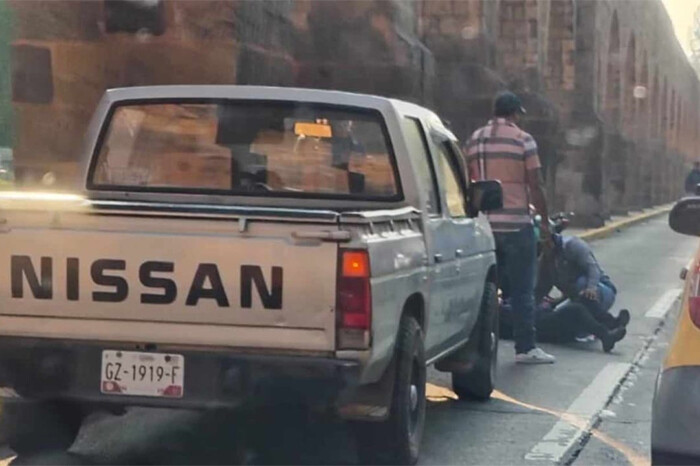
(557, 222)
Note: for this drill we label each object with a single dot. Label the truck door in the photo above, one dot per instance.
(457, 239)
(441, 267)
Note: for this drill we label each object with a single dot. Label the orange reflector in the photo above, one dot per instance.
(355, 264)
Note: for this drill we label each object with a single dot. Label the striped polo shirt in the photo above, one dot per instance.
(502, 151)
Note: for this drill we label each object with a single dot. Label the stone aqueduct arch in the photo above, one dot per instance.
(627, 88)
(631, 160)
(642, 129)
(658, 112)
(613, 168)
(654, 97)
(663, 107)
(642, 104)
(559, 45)
(636, 96)
(613, 81)
(670, 111)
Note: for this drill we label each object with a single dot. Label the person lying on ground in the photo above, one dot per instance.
(561, 321)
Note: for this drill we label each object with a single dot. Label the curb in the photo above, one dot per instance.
(608, 230)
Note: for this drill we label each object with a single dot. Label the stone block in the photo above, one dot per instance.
(300, 13)
(568, 82)
(531, 11)
(462, 8)
(387, 79)
(568, 45)
(206, 20)
(569, 58)
(265, 23)
(174, 62)
(49, 132)
(32, 74)
(131, 17)
(450, 26)
(522, 30)
(79, 72)
(532, 59)
(57, 19)
(450, 49)
(432, 25)
(28, 175)
(505, 11)
(348, 9)
(438, 7)
(257, 66)
(518, 11)
(507, 28)
(519, 29)
(383, 25)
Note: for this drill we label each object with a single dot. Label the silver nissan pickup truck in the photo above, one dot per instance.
(227, 240)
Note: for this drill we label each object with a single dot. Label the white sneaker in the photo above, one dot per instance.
(585, 339)
(535, 356)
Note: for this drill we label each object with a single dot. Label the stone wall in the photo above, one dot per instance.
(5, 90)
(67, 52)
(611, 99)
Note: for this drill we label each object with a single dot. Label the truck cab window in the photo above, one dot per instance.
(420, 158)
(240, 148)
(452, 188)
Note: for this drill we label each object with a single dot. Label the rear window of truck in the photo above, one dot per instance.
(246, 148)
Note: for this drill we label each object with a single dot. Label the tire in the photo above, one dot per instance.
(662, 458)
(397, 439)
(479, 382)
(42, 426)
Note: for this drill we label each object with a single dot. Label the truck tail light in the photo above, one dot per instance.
(354, 303)
(353, 299)
(694, 295)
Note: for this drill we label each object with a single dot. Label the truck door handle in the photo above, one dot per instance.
(438, 258)
(459, 253)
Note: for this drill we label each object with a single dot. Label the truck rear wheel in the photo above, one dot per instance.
(397, 439)
(479, 382)
(41, 426)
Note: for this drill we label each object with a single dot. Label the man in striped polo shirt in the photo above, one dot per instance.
(502, 151)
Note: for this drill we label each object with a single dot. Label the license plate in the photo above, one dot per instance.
(142, 374)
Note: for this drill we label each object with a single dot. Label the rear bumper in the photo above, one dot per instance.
(70, 370)
(676, 415)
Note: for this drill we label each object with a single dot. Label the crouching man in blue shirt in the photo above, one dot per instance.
(571, 267)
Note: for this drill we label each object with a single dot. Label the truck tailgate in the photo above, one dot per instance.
(168, 280)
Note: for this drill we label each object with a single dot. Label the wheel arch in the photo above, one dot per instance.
(492, 275)
(414, 306)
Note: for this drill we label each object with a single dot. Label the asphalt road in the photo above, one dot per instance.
(588, 408)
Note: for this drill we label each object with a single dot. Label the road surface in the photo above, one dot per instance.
(588, 408)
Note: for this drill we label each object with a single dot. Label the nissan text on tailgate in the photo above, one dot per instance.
(227, 240)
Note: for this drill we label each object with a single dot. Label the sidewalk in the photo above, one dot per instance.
(619, 223)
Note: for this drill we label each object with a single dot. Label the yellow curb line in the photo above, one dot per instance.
(607, 230)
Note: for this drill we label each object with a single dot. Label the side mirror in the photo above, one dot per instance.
(697, 190)
(485, 196)
(685, 216)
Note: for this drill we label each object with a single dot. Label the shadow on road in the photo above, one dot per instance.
(286, 435)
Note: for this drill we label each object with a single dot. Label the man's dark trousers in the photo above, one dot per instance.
(517, 263)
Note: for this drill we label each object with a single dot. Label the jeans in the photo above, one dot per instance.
(606, 298)
(516, 253)
(567, 321)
